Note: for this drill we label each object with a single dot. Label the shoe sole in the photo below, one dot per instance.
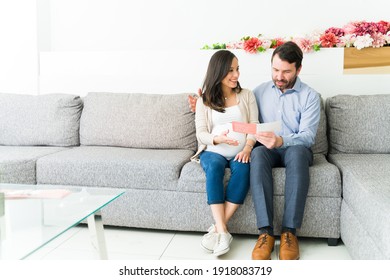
(254, 259)
(289, 259)
(206, 250)
(223, 251)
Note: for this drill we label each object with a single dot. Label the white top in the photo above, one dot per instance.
(222, 122)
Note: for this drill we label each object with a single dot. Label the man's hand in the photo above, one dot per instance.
(269, 139)
(192, 100)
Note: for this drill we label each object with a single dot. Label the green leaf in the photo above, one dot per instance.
(316, 48)
(218, 46)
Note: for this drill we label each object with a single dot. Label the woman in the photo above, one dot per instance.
(223, 101)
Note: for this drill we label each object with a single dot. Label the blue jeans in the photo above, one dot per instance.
(214, 166)
(296, 160)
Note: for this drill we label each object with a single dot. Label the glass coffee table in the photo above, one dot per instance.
(33, 215)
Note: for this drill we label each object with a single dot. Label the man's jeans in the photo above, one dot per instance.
(296, 160)
(214, 166)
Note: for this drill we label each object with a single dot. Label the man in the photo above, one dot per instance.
(297, 106)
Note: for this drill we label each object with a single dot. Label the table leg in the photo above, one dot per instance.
(96, 231)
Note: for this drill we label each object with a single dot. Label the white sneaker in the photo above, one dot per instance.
(223, 244)
(209, 240)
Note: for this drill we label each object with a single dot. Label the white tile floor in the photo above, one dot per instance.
(139, 244)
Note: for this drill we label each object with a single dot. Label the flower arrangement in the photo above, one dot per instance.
(358, 34)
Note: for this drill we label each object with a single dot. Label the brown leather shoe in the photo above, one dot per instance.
(289, 248)
(264, 247)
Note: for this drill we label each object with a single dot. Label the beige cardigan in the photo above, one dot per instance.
(247, 104)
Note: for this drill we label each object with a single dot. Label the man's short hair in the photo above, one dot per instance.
(289, 52)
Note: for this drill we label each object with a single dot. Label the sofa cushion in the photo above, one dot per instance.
(50, 119)
(17, 163)
(324, 178)
(320, 145)
(359, 124)
(322, 210)
(366, 193)
(155, 121)
(352, 231)
(113, 167)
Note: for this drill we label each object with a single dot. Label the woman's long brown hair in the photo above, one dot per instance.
(219, 66)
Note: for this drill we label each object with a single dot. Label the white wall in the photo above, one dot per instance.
(111, 25)
(18, 47)
(174, 71)
(153, 45)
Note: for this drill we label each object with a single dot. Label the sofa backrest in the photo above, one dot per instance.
(320, 145)
(359, 124)
(136, 120)
(45, 120)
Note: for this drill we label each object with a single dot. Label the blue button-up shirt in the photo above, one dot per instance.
(298, 109)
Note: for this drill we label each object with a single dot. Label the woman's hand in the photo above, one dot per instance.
(224, 139)
(192, 100)
(245, 155)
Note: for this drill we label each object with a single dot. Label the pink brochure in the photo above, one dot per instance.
(252, 128)
(247, 128)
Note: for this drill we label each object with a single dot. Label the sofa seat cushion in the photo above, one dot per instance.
(17, 163)
(193, 178)
(322, 211)
(114, 167)
(366, 191)
(44, 120)
(324, 178)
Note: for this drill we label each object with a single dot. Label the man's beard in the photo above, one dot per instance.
(286, 85)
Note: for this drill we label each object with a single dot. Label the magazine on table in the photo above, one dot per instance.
(30, 193)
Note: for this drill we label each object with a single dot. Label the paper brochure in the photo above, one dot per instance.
(253, 128)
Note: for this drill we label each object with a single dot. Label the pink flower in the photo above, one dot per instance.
(346, 41)
(358, 34)
(235, 45)
(305, 44)
(339, 32)
(362, 28)
(252, 45)
(349, 28)
(383, 26)
(265, 44)
(379, 40)
(277, 42)
(328, 40)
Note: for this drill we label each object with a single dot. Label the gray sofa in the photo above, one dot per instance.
(360, 147)
(143, 144)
